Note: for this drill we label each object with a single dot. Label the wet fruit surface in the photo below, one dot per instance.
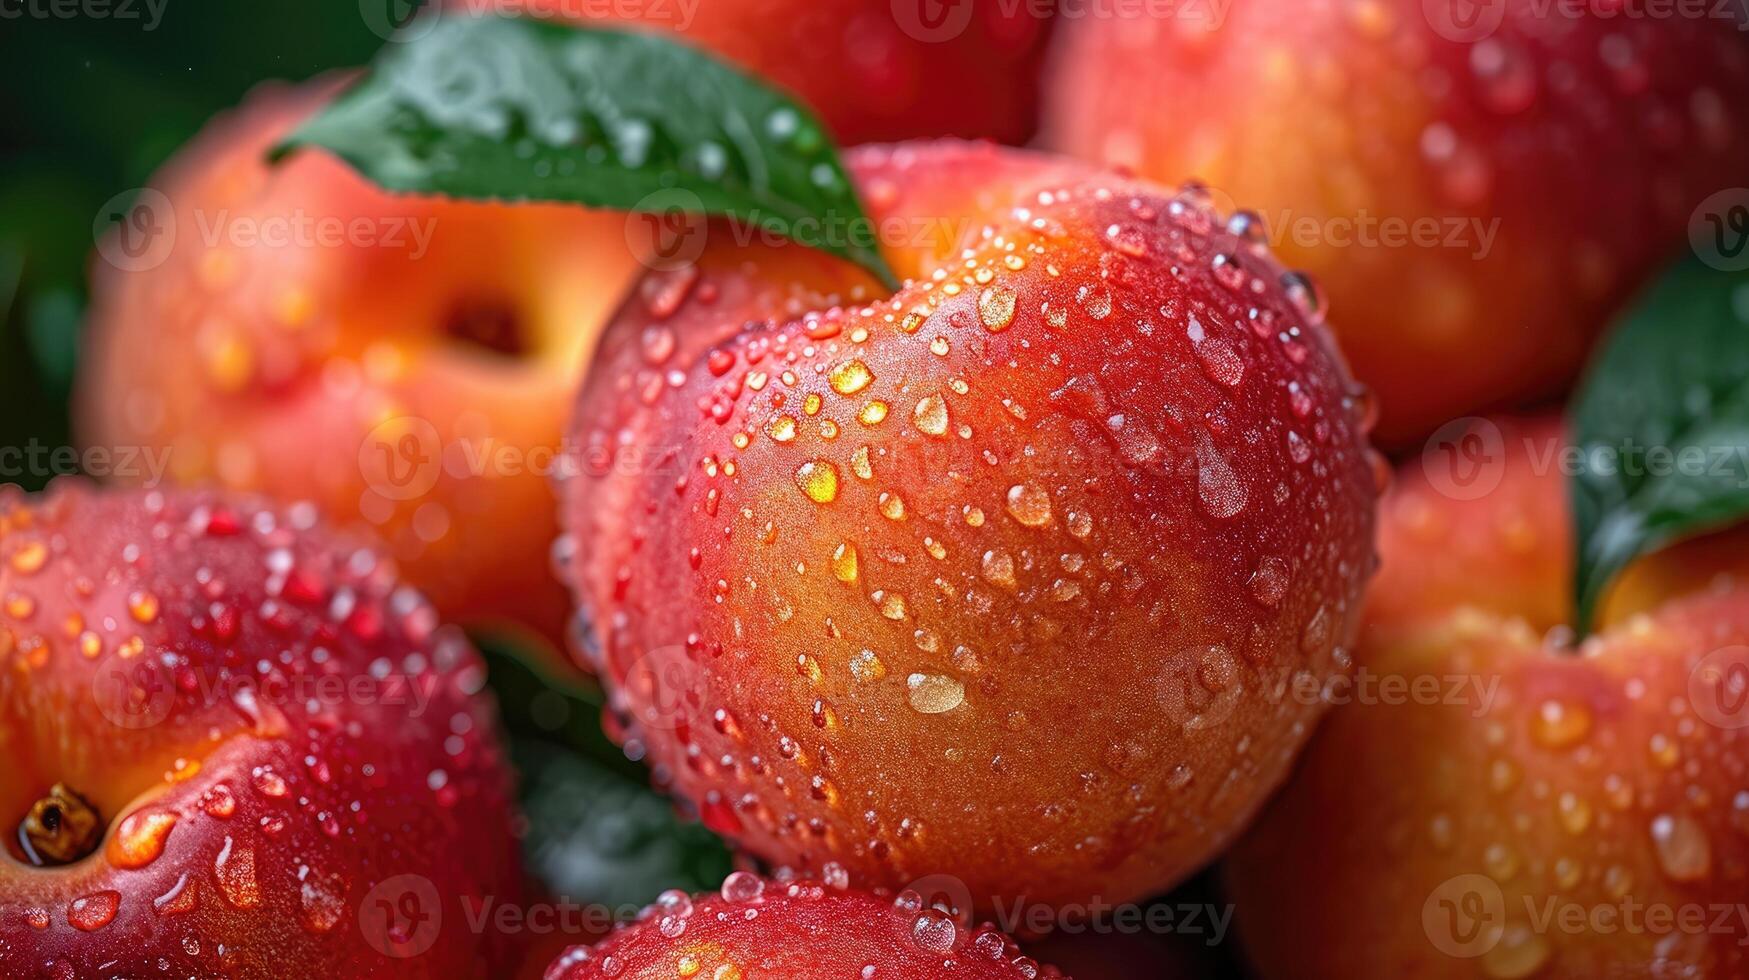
(406, 363)
(1538, 809)
(1009, 575)
(871, 69)
(799, 930)
(271, 732)
(1477, 185)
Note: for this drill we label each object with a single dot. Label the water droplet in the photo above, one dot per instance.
(1684, 851)
(892, 506)
(234, 870)
(934, 930)
(818, 480)
(139, 839)
(860, 465)
(1520, 953)
(850, 377)
(867, 666)
(1560, 724)
(999, 568)
(844, 562)
(931, 415)
(92, 912)
(933, 694)
(1029, 504)
(30, 558)
(781, 429)
(1269, 582)
(1095, 300)
(741, 887)
(1223, 496)
(874, 413)
(892, 604)
(996, 308)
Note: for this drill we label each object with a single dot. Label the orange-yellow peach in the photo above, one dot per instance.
(1476, 184)
(1000, 576)
(1523, 807)
(236, 745)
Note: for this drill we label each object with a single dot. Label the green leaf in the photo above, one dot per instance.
(597, 833)
(1662, 425)
(527, 110)
(597, 837)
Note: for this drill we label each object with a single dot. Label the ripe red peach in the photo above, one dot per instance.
(871, 69)
(1477, 185)
(999, 576)
(1539, 809)
(404, 362)
(236, 746)
(798, 930)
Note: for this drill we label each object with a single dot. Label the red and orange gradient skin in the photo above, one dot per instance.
(268, 725)
(420, 388)
(798, 930)
(993, 576)
(1552, 153)
(1607, 776)
(872, 70)
(380, 381)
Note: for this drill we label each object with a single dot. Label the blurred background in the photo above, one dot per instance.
(100, 103)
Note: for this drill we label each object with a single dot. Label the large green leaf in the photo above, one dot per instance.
(527, 110)
(1662, 424)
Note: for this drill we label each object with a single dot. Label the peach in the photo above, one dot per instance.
(404, 362)
(799, 930)
(236, 746)
(1537, 809)
(872, 69)
(1477, 185)
(997, 576)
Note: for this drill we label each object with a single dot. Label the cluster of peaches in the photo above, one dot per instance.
(1004, 589)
